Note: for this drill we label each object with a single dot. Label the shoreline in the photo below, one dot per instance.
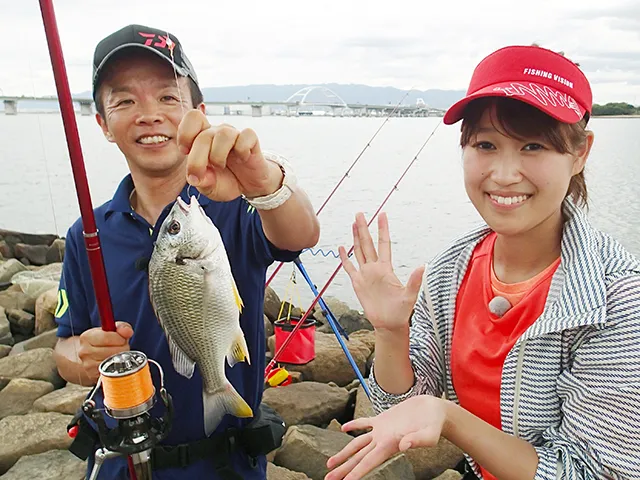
(635, 115)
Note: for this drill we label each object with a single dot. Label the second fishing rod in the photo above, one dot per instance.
(346, 174)
(308, 311)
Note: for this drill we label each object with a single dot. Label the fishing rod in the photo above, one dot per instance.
(301, 322)
(125, 378)
(333, 323)
(346, 174)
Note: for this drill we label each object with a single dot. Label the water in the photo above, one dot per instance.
(426, 212)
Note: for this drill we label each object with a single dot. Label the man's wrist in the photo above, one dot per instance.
(285, 179)
(274, 183)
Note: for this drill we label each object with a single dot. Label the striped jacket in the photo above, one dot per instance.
(571, 383)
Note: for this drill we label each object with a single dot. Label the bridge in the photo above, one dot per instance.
(309, 101)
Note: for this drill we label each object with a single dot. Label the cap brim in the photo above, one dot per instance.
(107, 57)
(554, 103)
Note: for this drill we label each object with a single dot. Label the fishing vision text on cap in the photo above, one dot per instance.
(163, 44)
(535, 75)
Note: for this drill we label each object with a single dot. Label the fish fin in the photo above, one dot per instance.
(239, 352)
(181, 361)
(236, 295)
(222, 401)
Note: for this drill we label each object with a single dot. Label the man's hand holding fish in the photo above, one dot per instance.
(225, 163)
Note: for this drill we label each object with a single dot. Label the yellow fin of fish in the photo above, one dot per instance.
(239, 351)
(236, 296)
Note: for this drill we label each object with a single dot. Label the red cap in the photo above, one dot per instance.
(535, 75)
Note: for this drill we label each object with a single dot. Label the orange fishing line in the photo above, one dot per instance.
(128, 391)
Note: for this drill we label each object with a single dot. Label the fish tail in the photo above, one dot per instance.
(222, 401)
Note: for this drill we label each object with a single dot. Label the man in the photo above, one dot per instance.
(149, 104)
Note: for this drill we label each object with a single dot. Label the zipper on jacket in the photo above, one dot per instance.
(516, 399)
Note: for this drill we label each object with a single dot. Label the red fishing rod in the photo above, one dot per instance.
(346, 174)
(135, 434)
(301, 322)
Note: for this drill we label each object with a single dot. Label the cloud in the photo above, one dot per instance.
(404, 44)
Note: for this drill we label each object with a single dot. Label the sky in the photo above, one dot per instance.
(404, 44)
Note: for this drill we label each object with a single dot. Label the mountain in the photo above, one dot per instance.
(350, 93)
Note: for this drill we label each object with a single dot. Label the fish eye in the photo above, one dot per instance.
(174, 228)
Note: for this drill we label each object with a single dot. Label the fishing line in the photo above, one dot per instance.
(175, 71)
(346, 174)
(53, 210)
(331, 278)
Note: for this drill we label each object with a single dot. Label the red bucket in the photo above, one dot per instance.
(302, 347)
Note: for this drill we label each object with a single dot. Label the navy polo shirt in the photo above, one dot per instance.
(127, 242)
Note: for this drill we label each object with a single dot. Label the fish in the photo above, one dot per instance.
(197, 303)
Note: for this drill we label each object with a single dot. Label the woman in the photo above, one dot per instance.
(520, 343)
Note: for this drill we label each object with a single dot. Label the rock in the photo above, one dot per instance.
(20, 337)
(394, 468)
(22, 323)
(51, 465)
(13, 237)
(351, 321)
(14, 299)
(9, 268)
(307, 448)
(271, 304)
(268, 327)
(46, 340)
(4, 350)
(296, 377)
(65, 400)
(35, 364)
(45, 308)
(310, 403)
(330, 362)
(55, 253)
(353, 385)
(364, 407)
(335, 426)
(280, 473)
(18, 396)
(31, 434)
(366, 336)
(5, 249)
(35, 281)
(5, 329)
(449, 475)
(337, 308)
(428, 462)
(36, 254)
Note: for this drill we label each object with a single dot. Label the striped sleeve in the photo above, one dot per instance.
(599, 436)
(426, 359)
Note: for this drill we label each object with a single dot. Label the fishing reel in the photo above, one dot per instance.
(129, 395)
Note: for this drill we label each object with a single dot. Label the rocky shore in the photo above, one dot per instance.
(36, 404)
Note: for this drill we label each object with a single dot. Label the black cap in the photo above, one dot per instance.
(162, 43)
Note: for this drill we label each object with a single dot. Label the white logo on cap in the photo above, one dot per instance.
(551, 76)
(543, 94)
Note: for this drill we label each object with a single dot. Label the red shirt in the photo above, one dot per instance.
(482, 340)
